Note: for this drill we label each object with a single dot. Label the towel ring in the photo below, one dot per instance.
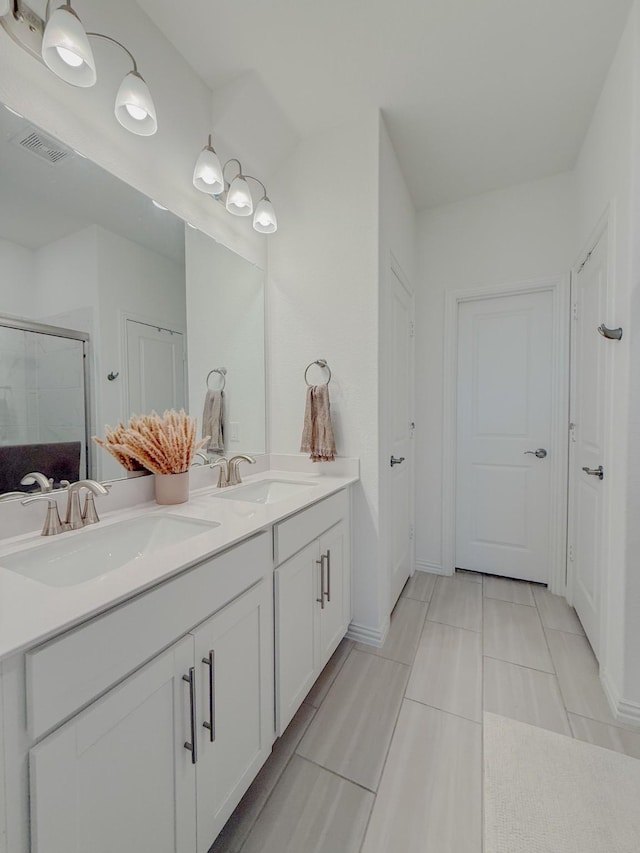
(321, 362)
(223, 373)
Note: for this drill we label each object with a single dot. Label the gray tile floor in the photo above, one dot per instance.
(385, 753)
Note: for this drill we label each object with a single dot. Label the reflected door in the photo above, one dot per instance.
(503, 490)
(156, 366)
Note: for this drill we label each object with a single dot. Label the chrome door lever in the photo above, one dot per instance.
(396, 460)
(540, 452)
(595, 472)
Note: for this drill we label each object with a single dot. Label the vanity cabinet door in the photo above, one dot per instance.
(234, 662)
(297, 590)
(334, 616)
(118, 775)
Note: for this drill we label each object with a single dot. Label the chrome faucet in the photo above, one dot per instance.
(233, 477)
(46, 485)
(75, 517)
(203, 456)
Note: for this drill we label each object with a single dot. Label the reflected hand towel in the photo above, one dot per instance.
(317, 432)
(213, 421)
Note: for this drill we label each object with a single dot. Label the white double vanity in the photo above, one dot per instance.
(139, 700)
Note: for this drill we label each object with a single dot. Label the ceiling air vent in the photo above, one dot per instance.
(42, 146)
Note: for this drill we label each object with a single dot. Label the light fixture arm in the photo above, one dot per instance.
(120, 45)
(264, 189)
(233, 160)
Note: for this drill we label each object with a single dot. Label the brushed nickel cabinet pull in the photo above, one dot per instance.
(328, 574)
(320, 600)
(211, 722)
(192, 747)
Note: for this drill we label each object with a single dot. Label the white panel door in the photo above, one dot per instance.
(234, 656)
(156, 361)
(118, 776)
(503, 490)
(587, 448)
(399, 409)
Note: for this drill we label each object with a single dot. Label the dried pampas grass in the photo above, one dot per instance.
(161, 444)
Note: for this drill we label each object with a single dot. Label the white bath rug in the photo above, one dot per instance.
(547, 793)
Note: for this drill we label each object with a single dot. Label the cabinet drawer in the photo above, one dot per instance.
(65, 674)
(296, 532)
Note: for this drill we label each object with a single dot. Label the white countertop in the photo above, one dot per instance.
(31, 612)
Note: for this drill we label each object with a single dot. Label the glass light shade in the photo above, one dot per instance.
(66, 50)
(239, 201)
(207, 175)
(264, 219)
(134, 106)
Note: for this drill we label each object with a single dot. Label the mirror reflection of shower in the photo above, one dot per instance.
(43, 403)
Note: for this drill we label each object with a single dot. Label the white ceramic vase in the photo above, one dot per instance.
(172, 488)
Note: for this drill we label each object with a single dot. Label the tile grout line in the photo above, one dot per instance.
(395, 726)
(336, 774)
(555, 671)
(523, 665)
(294, 752)
(280, 775)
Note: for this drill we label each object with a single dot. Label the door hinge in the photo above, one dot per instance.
(411, 531)
(412, 329)
(571, 557)
(572, 432)
(575, 310)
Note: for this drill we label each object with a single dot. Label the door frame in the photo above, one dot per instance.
(603, 231)
(559, 286)
(393, 267)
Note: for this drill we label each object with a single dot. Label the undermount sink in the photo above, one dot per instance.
(91, 553)
(265, 491)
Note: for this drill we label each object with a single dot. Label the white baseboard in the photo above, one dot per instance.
(369, 636)
(432, 568)
(624, 711)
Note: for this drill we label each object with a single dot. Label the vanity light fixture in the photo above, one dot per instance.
(208, 177)
(62, 43)
(66, 50)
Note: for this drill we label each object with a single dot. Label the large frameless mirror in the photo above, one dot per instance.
(86, 261)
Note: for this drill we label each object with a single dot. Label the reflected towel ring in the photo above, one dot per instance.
(321, 362)
(223, 373)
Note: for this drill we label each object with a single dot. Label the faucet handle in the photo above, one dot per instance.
(89, 511)
(223, 474)
(52, 522)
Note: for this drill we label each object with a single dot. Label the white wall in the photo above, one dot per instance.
(160, 166)
(16, 281)
(523, 232)
(323, 303)
(607, 177)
